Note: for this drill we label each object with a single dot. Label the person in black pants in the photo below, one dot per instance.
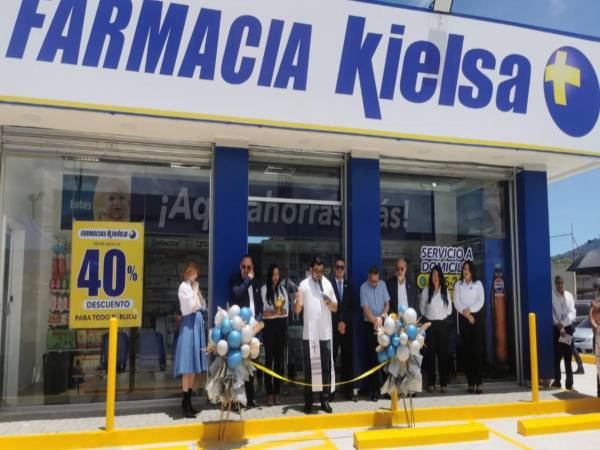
(245, 291)
(436, 306)
(275, 314)
(342, 325)
(402, 290)
(563, 314)
(375, 303)
(469, 299)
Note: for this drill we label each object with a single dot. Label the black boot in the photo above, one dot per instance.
(185, 406)
(192, 409)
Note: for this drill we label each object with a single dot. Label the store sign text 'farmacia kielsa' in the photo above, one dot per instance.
(345, 66)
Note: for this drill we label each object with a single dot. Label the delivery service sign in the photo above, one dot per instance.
(107, 274)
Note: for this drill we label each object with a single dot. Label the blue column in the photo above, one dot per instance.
(534, 268)
(229, 226)
(364, 238)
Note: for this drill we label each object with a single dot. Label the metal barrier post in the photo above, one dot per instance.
(111, 374)
(535, 386)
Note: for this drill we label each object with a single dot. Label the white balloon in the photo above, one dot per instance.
(254, 353)
(384, 340)
(234, 311)
(245, 349)
(389, 326)
(254, 343)
(421, 339)
(237, 323)
(415, 348)
(221, 314)
(247, 334)
(410, 316)
(222, 347)
(403, 353)
(403, 338)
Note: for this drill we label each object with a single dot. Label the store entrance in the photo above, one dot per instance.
(294, 214)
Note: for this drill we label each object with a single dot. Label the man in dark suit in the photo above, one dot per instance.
(402, 289)
(342, 324)
(245, 291)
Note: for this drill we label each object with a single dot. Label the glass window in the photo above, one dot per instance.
(432, 220)
(294, 214)
(44, 361)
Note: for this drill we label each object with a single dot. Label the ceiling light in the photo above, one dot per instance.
(276, 170)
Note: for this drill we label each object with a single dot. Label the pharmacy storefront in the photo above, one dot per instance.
(136, 136)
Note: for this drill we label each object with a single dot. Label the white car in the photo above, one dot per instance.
(584, 336)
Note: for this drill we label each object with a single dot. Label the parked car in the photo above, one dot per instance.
(582, 310)
(584, 336)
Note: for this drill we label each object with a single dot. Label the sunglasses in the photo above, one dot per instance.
(338, 267)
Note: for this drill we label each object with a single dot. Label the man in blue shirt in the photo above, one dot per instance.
(375, 303)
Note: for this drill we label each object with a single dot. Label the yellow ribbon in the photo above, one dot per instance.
(300, 383)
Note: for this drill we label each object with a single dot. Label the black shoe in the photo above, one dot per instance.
(374, 397)
(307, 408)
(190, 407)
(185, 407)
(556, 384)
(579, 371)
(251, 404)
(325, 407)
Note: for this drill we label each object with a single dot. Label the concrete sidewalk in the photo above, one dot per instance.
(76, 418)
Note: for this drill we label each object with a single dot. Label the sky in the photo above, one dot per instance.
(569, 199)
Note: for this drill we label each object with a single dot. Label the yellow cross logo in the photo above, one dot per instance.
(560, 74)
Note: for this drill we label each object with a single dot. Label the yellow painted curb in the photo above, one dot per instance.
(405, 437)
(208, 431)
(588, 359)
(564, 424)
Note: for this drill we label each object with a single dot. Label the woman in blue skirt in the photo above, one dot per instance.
(190, 357)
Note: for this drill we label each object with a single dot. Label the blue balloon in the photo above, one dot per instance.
(396, 341)
(216, 335)
(391, 351)
(234, 340)
(382, 356)
(245, 314)
(226, 327)
(412, 332)
(403, 308)
(234, 359)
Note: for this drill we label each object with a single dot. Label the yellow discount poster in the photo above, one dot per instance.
(107, 274)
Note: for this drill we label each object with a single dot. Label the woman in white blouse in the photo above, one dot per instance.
(275, 331)
(469, 299)
(190, 358)
(436, 306)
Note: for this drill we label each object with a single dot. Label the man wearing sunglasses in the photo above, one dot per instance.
(402, 290)
(342, 324)
(245, 291)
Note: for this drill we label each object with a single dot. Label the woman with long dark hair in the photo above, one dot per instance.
(436, 306)
(275, 313)
(469, 299)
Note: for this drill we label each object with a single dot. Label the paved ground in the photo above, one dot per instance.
(504, 435)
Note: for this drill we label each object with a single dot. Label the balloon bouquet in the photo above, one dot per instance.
(400, 341)
(233, 341)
